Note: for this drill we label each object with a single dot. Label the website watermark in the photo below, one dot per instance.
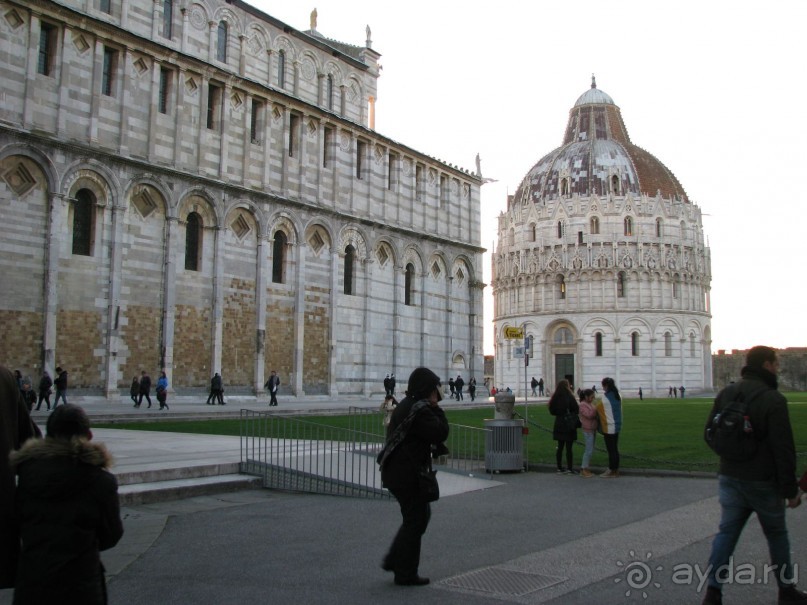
(642, 575)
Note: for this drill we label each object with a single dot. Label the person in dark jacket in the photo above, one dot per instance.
(217, 390)
(145, 388)
(134, 390)
(16, 427)
(44, 390)
(61, 387)
(562, 403)
(400, 469)
(68, 511)
(765, 484)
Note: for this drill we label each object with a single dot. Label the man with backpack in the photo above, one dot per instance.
(749, 427)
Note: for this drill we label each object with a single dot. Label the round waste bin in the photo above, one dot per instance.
(504, 445)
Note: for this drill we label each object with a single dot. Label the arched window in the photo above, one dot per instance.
(281, 69)
(634, 344)
(667, 344)
(409, 285)
(615, 185)
(683, 230)
(84, 222)
(531, 341)
(350, 255)
(329, 91)
(692, 347)
(564, 186)
(658, 227)
(598, 344)
(562, 286)
(628, 225)
(193, 242)
(279, 257)
(594, 225)
(560, 229)
(221, 46)
(532, 232)
(620, 284)
(675, 286)
(563, 336)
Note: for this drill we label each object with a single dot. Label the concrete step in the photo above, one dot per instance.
(174, 489)
(156, 473)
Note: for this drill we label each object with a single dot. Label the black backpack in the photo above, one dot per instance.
(730, 433)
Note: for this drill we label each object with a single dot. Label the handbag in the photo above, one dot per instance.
(570, 422)
(427, 484)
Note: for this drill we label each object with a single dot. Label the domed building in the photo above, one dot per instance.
(601, 263)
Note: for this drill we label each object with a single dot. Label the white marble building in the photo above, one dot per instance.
(601, 260)
(199, 187)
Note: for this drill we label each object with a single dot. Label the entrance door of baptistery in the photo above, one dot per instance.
(564, 367)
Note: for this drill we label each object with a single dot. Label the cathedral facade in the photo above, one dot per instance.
(197, 187)
(601, 268)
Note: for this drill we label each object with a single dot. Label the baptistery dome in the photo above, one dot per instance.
(597, 158)
(601, 262)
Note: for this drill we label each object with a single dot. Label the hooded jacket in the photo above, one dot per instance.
(775, 459)
(68, 511)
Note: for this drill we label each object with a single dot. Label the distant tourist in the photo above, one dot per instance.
(589, 422)
(145, 388)
(45, 384)
(272, 384)
(162, 391)
(61, 387)
(563, 406)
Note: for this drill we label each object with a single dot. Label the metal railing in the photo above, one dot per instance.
(299, 455)
(295, 454)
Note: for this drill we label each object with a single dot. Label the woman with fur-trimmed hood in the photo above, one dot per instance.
(68, 510)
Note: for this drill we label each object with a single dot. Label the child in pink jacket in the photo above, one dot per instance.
(589, 420)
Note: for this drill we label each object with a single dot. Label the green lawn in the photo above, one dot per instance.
(657, 433)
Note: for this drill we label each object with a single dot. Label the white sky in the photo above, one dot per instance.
(715, 89)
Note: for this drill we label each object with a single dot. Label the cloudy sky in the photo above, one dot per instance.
(715, 90)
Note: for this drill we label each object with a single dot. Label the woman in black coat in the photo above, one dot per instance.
(401, 467)
(561, 404)
(68, 511)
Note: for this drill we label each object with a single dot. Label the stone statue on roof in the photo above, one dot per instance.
(369, 42)
(314, 19)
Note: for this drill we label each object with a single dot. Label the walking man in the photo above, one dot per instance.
(763, 484)
(145, 388)
(534, 385)
(458, 384)
(272, 384)
(61, 386)
(541, 387)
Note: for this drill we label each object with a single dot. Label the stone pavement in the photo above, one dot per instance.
(527, 538)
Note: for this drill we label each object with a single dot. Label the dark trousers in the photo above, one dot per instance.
(146, 395)
(273, 398)
(43, 396)
(60, 394)
(564, 445)
(404, 552)
(612, 445)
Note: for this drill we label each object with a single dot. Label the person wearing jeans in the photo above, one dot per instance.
(588, 420)
(609, 411)
(763, 482)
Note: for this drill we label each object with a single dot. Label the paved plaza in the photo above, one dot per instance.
(519, 538)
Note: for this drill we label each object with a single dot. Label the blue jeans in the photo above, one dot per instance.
(60, 394)
(589, 438)
(738, 499)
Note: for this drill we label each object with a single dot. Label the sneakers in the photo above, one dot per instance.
(585, 473)
(571, 471)
(713, 596)
(609, 474)
(791, 594)
(560, 471)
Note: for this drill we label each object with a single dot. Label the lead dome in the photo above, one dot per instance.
(597, 157)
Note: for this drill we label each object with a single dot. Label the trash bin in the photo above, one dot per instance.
(504, 445)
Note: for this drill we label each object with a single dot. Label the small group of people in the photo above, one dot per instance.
(44, 389)
(141, 388)
(59, 504)
(537, 387)
(455, 386)
(604, 416)
(673, 392)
